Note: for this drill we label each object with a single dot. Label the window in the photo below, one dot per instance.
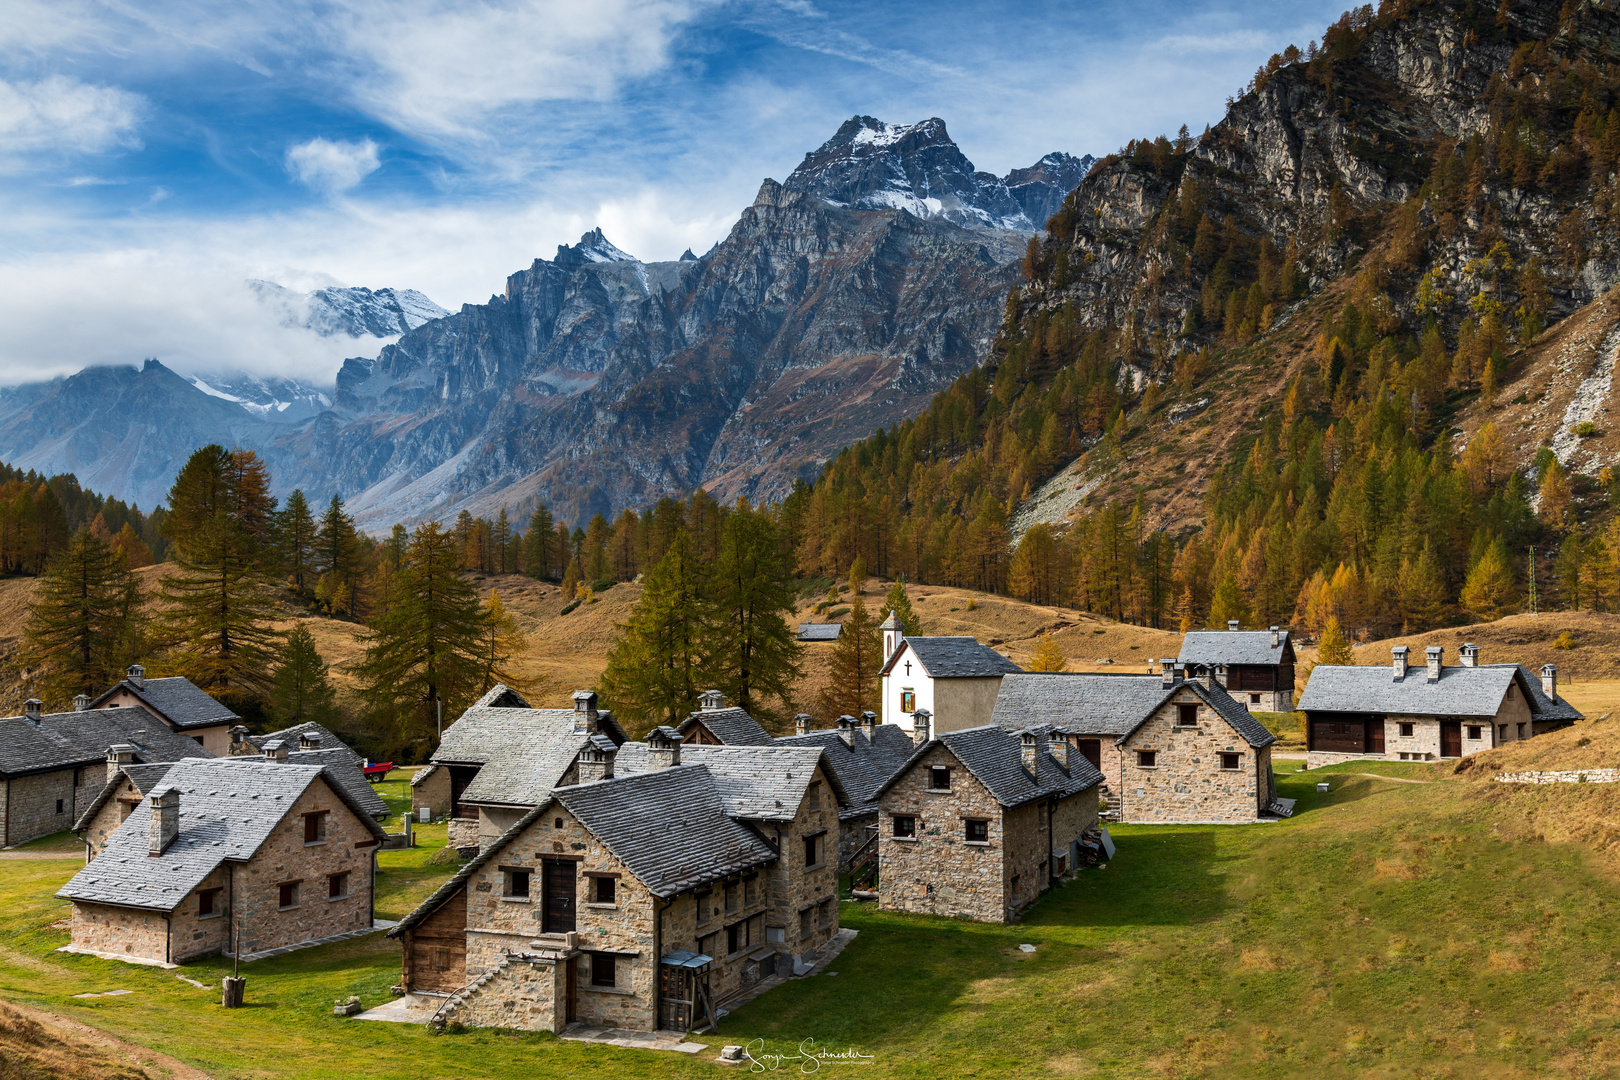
(705, 907)
(59, 804)
(127, 807)
(515, 883)
(731, 897)
(908, 701)
(824, 913)
(812, 849)
(1406, 731)
(198, 739)
(1501, 735)
(315, 827)
(939, 778)
(814, 796)
(807, 923)
(207, 903)
(1511, 687)
(750, 891)
(1231, 761)
(605, 890)
(1473, 732)
(905, 826)
(1187, 715)
(603, 964)
(709, 944)
(1521, 731)
(1254, 699)
(337, 886)
(557, 824)
(288, 897)
(736, 938)
(1147, 759)
(978, 830)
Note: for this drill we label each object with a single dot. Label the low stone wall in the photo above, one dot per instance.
(1315, 759)
(519, 993)
(463, 833)
(1587, 776)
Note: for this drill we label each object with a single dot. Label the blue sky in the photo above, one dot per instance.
(155, 155)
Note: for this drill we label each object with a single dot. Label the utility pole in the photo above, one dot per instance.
(1532, 581)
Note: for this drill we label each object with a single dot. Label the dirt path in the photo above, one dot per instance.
(42, 855)
(73, 1031)
(1393, 779)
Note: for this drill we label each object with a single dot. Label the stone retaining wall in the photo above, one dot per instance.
(1587, 776)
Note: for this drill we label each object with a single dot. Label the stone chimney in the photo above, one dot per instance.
(846, 730)
(31, 710)
(165, 823)
(239, 742)
(711, 701)
(81, 703)
(118, 755)
(664, 747)
(801, 723)
(596, 759)
(1029, 752)
(869, 725)
(893, 634)
(1549, 682)
(1167, 668)
(276, 750)
(1435, 657)
(1057, 742)
(1276, 636)
(1398, 661)
(309, 740)
(1232, 624)
(922, 724)
(136, 674)
(1203, 673)
(1468, 655)
(585, 714)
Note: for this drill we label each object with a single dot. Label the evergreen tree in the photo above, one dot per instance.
(1048, 655)
(857, 575)
(337, 557)
(399, 541)
(500, 538)
(1227, 604)
(750, 647)
(218, 605)
(571, 579)
(502, 640)
(658, 663)
(129, 544)
(425, 651)
(302, 691)
(898, 602)
(295, 540)
(83, 622)
(857, 656)
(1333, 647)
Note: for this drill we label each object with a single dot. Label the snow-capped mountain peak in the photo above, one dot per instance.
(356, 312)
(281, 401)
(593, 247)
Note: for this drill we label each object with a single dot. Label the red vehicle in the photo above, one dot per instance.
(378, 772)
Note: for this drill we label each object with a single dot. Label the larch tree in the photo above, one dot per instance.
(857, 656)
(502, 640)
(1333, 647)
(898, 603)
(338, 558)
(659, 663)
(83, 623)
(1048, 655)
(1490, 590)
(302, 690)
(753, 652)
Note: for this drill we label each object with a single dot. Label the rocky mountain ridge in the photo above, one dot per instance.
(352, 312)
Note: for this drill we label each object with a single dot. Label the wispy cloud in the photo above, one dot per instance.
(59, 115)
(332, 167)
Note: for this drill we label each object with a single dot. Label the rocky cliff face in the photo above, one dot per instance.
(353, 312)
(1040, 188)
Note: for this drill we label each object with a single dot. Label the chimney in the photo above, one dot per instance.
(711, 701)
(165, 823)
(1167, 668)
(1549, 682)
(136, 673)
(596, 759)
(1468, 655)
(1057, 742)
(869, 725)
(1435, 656)
(81, 703)
(1231, 624)
(846, 730)
(664, 747)
(309, 740)
(276, 750)
(239, 742)
(922, 723)
(1203, 673)
(31, 709)
(801, 723)
(893, 634)
(1399, 653)
(1029, 752)
(118, 755)
(1276, 636)
(585, 714)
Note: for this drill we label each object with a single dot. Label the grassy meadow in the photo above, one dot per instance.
(1413, 923)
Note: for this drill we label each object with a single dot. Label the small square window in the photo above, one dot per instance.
(287, 895)
(337, 885)
(908, 701)
(905, 826)
(1231, 761)
(812, 850)
(516, 883)
(1501, 733)
(606, 890)
(1406, 731)
(736, 938)
(1187, 714)
(207, 902)
(60, 803)
(603, 965)
(1147, 759)
(315, 827)
(1474, 732)
(978, 829)
(1254, 699)
(1521, 731)
(939, 778)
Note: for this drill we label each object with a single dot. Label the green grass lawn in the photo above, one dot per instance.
(1388, 929)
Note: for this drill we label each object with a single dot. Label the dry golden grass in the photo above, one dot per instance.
(36, 1045)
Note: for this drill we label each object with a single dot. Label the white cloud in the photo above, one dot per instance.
(333, 166)
(58, 114)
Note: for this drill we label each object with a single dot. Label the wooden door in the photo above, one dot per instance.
(559, 896)
(1375, 735)
(1091, 750)
(1451, 738)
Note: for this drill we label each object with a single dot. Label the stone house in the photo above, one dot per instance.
(1255, 666)
(306, 736)
(1198, 757)
(220, 851)
(1428, 713)
(861, 755)
(52, 765)
(955, 678)
(702, 873)
(179, 703)
(978, 823)
(716, 725)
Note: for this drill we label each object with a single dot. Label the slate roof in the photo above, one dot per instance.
(995, 757)
(422, 774)
(177, 700)
(1085, 703)
(954, 658)
(1233, 647)
(292, 734)
(862, 767)
(1460, 691)
(341, 764)
(819, 631)
(26, 747)
(733, 726)
(1226, 706)
(93, 730)
(228, 809)
(524, 752)
(756, 783)
(144, 777)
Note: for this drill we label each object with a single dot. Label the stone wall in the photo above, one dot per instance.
(216, 739)
(123, 931)
(518, 993)
(939, 872)
(285, 857)
(1186, 784)
(433, 793)
(29, 804)
(111, 815)
(462, 833)
(852, 833)
(1573, 776)
(192, 934)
